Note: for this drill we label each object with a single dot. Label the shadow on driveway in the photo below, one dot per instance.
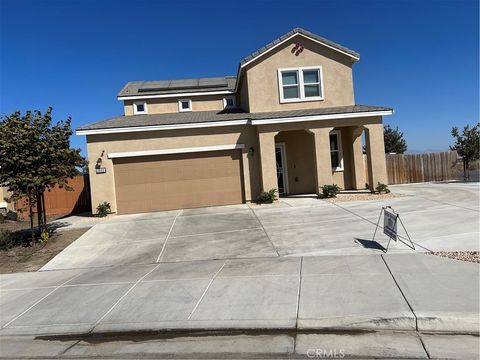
(369, 244)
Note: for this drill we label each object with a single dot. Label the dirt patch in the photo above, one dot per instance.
(362, 197)
(471, 256)
(32, 258)
(24, 223)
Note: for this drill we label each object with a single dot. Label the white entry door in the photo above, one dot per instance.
(281, 159)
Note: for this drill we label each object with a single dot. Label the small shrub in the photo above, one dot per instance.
(9, 239)
(2, 218)
(382, 188)
(329, 191)
(44, 236)
(103, 209)
(11, 215)
(267, 197)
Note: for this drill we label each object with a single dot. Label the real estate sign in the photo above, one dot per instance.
(390, 224)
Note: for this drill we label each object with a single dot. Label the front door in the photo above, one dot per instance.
(281, 160)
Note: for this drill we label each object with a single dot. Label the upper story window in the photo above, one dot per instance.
(184, 105)
(336, 150)
(140, 108)
(300, 84)
(229, 102)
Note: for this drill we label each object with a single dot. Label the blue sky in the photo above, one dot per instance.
(419, 57)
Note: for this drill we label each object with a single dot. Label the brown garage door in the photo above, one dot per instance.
(178, 181)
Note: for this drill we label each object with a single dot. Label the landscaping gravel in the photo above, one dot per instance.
(472, 256)
(360, 197)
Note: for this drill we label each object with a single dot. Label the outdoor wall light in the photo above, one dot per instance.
(251, 151)
(99, 160)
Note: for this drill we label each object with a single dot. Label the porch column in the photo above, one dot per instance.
(266, 141)
(246, 174)
(377, 168)
(358, 165)
(323, 161)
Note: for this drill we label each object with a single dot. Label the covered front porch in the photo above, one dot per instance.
(300, 158)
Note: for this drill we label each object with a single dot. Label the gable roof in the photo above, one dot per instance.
(138, 89)
(217, 85)
(305, 33)
(147, 122)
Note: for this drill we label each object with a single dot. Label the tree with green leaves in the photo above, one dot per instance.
(394, 141)
(35, 156)
(467, 145)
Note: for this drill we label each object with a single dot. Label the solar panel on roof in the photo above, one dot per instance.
(213, 82)
(155, 85)
(183, 84)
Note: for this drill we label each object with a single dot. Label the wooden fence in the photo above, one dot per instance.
(414, 168)
(60, 201)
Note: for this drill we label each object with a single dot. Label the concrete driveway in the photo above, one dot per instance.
(437, 216)
(233, 268)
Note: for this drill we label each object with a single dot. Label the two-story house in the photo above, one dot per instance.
(287, 121)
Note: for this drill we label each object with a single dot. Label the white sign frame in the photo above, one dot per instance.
(390, 222)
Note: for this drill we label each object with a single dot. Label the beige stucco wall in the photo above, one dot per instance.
(170, 105)
(242, 99)
(262, 77)
(5, 194)
(258, 169)
(259, 86)
(103, 185)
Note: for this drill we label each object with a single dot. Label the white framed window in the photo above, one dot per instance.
(229, 102)
(184, 105)
(336, 154)
(140, 107)
(300, 84)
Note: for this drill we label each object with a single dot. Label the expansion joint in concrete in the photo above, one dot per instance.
(39, 301)
(265, 231)
(205, 291)
(298, 301)
(401, 292)
(124, 295)
(168, 236)
(423, 344)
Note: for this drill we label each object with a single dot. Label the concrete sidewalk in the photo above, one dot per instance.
(377, 292)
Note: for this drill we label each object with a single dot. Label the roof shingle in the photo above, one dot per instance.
(215, 116)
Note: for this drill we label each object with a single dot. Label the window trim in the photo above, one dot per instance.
(301, 85)
(338, 134)
(297, 85)
(225, 98)
(180, 109)
(136, 112)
